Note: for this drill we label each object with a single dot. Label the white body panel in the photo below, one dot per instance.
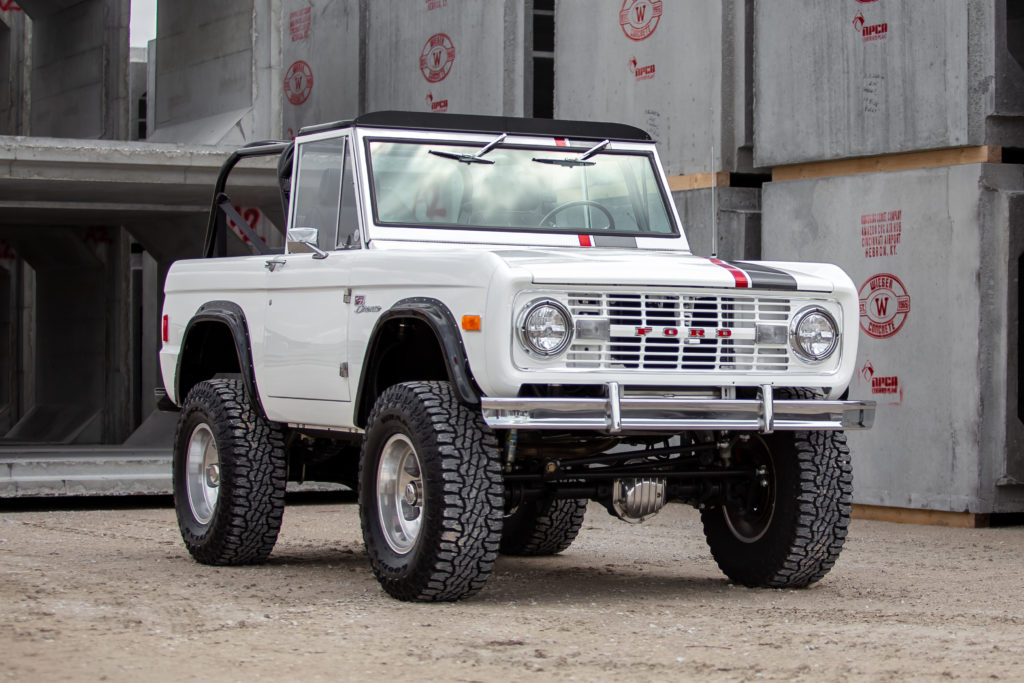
(300, 340)
(310, 321)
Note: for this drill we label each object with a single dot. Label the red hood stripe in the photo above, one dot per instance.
(585, 241)
(742, 281)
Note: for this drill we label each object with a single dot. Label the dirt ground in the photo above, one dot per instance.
(90, 594)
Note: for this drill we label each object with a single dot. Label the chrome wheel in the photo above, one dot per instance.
(400, 494)
(202, 473)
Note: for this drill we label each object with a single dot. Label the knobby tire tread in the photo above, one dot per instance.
(807, 548)
(461, 530)
(543, 526)
(253, 469)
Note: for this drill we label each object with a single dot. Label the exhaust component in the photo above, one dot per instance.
(637, 500)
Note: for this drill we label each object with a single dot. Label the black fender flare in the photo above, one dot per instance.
(442, 323)
(232, 316)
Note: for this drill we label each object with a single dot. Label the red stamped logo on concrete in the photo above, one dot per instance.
(641, 73)
(884, 305)
(881, 232)
(299, 23)
(298, 82)
(436, 105)
(437, 57)
(869, 32)
(639, 18)
(885, 388)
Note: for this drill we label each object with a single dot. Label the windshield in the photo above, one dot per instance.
(513, 188)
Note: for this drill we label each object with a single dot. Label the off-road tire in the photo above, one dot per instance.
(542, 526)
(460, 511)
(811, 478)
(246, 517)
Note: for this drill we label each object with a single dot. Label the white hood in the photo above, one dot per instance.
(640, 268)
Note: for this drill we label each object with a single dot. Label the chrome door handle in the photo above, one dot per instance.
(274, 263)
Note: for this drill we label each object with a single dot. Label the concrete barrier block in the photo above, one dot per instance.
(680, 70)
(320, 62)
(738, 213)
(462, 57)
(79, 71)
(936, 254)
(839, 80)
(217, 73)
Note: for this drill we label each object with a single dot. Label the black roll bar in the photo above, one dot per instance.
(216, 243)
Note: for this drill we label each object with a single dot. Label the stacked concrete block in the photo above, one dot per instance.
(78, 81)
(936, 254)
(465, 56)
(681, 71)
(321, 62)
(73, 376)
(737, 211)
(137, 82)
(217, 73)
(13, 69)
(852, 79)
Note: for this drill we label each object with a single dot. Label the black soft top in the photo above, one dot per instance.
(469, 123)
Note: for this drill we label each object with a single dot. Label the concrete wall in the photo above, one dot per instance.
(842, 79)
(72, 353)
(683, 76)
(936, 253)
(464, 56)
(738, 212)
(12, 31)
(321, 62)
(79, 70)
(217, 69)
(137, 83)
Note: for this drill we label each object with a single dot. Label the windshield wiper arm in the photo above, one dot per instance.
(571, 162)
(471, 158)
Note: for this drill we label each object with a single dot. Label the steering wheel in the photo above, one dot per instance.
(578, 202)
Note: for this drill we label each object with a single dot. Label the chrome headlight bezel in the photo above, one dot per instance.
(797, 345)
(525, 340)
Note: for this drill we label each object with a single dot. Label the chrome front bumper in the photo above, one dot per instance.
(616, 413)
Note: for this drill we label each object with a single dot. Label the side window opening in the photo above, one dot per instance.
(318, 189)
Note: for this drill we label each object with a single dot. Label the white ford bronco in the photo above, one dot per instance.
(480, 324)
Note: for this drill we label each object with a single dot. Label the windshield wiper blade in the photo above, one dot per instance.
(471, 158)
(570, 163)
(580, 161)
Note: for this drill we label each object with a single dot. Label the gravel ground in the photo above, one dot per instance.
(113, 595)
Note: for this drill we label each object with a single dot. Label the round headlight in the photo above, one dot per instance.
(545, 328)
(814, 334)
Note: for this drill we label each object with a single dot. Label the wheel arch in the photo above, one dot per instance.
(216, 340)
(429, 319)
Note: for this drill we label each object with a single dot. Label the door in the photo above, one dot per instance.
(305, 369)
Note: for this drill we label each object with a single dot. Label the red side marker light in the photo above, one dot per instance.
(166, 331)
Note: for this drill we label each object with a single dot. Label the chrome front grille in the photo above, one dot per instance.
(680, 333)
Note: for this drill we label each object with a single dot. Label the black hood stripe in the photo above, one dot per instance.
(765, 277)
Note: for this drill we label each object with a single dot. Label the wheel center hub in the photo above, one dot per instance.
(213, 475)
(413, 494)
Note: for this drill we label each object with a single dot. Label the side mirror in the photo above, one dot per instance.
(303, 241)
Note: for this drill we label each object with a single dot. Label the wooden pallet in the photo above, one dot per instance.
(963, 520)
(889, 162)
(697, 181)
